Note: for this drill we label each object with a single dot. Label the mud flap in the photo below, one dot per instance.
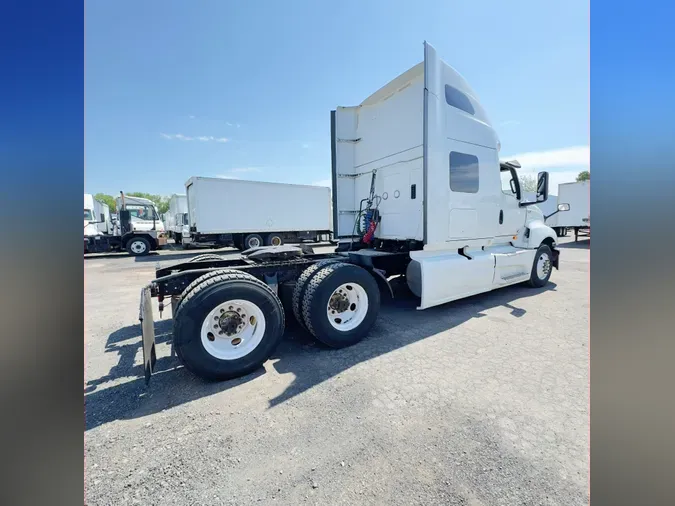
(556, 257)
(148, 333)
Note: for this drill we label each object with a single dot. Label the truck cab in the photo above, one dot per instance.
(422, 156)
(138, 225)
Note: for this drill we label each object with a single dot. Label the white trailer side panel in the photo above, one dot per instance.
(230, 206)
(578, 196)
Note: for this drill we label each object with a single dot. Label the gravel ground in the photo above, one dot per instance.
(478, 402)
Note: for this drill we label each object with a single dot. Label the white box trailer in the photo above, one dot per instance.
(176, 217)
(578, 218)
(249, 214)
(418, 191)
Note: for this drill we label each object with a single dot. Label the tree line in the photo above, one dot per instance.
(161, 202)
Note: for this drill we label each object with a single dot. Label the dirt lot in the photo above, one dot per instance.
(477, 402)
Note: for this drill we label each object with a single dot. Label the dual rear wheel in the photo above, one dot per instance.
(227, 323)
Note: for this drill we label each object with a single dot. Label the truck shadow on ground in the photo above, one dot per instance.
(399, 324)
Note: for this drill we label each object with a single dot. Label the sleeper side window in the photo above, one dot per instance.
(463, 172)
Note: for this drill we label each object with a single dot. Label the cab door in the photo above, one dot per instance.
(511, 215)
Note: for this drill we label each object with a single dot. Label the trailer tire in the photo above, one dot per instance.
(542, 267)
(252, 241)
(138, 246)
(340, 304)
(205, 256)
(274, 240)
(301, 286)
(212, 353)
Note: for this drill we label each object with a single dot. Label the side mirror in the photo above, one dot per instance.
(563, 207)
(542, 187)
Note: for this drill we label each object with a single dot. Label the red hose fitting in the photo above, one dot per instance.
(370, 233)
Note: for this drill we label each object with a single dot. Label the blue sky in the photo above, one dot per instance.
(175, 89)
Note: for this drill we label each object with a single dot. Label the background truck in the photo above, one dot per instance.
(176, 217)
(136, 228)
(97, 219)
(249, 214)
(419, 192)
(578, 218)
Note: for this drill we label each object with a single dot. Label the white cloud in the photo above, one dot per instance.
(179, 137)
(227, 176)
(192, 117)
(323, 182)
(576, 156)
(202, 138)
(228, 123)
(305, 146)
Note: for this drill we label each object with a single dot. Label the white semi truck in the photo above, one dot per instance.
(97, 219)
(249, 214)
(578, 219)
(418, 191)
(136, 228)
(176, 218)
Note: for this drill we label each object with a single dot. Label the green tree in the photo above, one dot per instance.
(107, 199)
(584, 175)
(528, 183)
(162, 203)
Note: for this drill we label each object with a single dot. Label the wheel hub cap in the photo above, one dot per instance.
(231, 322)
(339, 302)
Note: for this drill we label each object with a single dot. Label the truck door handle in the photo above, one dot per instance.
(501, 216)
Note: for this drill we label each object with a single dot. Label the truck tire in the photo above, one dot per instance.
(138, 246)
(252, 241)
(542, 267)
(340, 304)
(274, 240)
(178, 239)
(301, 287)
(228, 326)
(205, 256)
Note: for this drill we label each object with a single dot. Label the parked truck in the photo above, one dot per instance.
(249, 214)
(418, 192)
(176, 217)
(578, 196)
(136, 228)
(97, 219)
